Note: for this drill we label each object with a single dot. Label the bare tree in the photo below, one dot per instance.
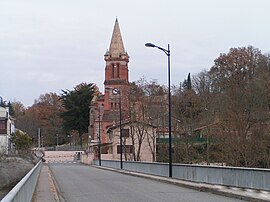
(146, 104)
(240, 100)
(44, 114)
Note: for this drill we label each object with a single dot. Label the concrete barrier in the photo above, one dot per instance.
(253, 178)
(51, 156)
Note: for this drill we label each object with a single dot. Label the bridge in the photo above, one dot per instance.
(63, 178)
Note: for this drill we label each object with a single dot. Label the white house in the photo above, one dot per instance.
(7, 127)
(138, 141)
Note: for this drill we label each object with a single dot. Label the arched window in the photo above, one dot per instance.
(118, 70)
(112, 70)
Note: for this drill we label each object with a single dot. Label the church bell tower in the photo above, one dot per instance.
(105, 109)
(116, 70)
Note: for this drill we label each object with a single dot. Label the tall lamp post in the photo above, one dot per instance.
(117, 91)
(99, 138)
(168, 53)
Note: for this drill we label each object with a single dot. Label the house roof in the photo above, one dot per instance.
(164, 120)
(206, 126)
(109, 116)
(116, 125)
(100, 97)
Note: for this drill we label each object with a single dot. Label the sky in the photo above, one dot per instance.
(47, 46)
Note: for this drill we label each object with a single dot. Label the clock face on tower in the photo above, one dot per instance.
(116, 91)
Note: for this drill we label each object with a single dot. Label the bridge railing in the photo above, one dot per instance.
(24, 190)
(253, 178)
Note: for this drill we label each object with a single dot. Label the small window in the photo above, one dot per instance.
(3, 127)
(128, 149)
(125, 133)
(3, 124)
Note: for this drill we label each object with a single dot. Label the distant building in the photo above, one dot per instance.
(7, 127)
(105, 109)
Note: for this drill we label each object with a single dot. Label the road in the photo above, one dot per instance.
(81, 183)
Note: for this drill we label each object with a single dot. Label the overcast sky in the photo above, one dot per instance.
(46, 46)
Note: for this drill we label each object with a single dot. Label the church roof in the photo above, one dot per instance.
(110, 115)
(117, 45)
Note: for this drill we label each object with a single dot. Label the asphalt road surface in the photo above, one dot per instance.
(81, 183)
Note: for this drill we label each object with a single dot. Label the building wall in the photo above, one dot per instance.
(5, 136)
(145, 151)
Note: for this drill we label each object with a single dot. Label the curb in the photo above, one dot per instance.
(53, 183)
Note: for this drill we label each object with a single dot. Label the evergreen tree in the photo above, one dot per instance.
(22, 141)
(187, 83)
(76, 103)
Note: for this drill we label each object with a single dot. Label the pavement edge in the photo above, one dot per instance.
(55, 186)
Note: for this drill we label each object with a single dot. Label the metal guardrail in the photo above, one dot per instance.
(24, 190)
(253, 178)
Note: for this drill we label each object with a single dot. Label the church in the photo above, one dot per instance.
(109, 112)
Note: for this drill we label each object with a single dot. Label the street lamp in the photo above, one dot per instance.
(99, 139)
(117, 91)
(168, 53)
(57, 136)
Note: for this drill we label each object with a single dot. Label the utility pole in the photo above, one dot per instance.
(38, 138)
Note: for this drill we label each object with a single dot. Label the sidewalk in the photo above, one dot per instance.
(45, 190)
(232, 192)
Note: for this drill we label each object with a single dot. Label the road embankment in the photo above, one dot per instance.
(12, 170)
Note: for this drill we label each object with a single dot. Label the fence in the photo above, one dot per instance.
(66, 148)
(24, 190)
(254, 178)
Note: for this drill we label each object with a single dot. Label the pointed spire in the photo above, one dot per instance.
(117, 45)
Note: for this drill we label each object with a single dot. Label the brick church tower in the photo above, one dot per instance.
(116, 71)
(104, 109)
